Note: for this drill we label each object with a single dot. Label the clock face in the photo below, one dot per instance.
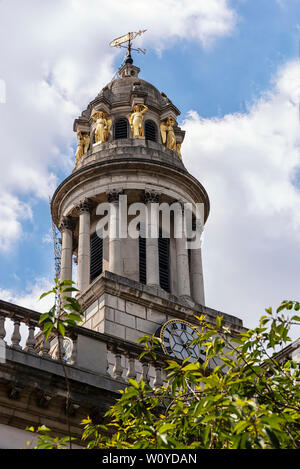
(176, 336)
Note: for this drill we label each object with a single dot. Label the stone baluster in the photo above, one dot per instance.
(158, 381)
(151, 199)
(83, 271)
(31, 340)
(114, 247)
(131, 372)
(45, 349)
(2, 327)
(16, 336)
(2, 341)
(60, 351)
(145, 372)
(118, 369)
(74, 351)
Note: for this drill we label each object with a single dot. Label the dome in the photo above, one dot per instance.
(114, 107)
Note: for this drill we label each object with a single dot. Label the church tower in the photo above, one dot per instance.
(128, 164)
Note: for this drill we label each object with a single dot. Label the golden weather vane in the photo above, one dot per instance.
(129, 38)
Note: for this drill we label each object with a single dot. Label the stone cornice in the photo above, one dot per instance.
(154, 298)
(179, 176)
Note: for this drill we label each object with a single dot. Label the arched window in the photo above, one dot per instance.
(121, 128)
(96, 244)
(150, 131)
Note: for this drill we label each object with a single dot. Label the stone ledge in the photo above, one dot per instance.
(153, 298)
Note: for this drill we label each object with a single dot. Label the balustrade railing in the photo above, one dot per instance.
(90, 350)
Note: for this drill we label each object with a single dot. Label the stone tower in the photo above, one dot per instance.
(129, 153)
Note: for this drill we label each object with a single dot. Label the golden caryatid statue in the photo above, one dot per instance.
(83, 143)
(103, 125)
(178, 149)
(167, 133)
(87, 140)
(136, 119)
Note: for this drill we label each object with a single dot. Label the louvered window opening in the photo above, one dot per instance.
(96, 245)
(150, 131)
(121, 129)
(163, 259)
(142, 256)
(164, 262)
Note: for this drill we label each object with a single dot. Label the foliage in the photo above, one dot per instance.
(46, 441)
(242, 396)
(66, 312)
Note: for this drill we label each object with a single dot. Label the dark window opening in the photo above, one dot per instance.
(96, 244)
(164, 262)
(150, 131)
(121, 128)
(142, 255)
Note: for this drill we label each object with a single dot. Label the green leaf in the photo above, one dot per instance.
(43, 317)
(295, 318)
(166, 427)
(272, 437)
(191, 367)
(240, 426)
(61, 329)
(47, 293)
(219, 321)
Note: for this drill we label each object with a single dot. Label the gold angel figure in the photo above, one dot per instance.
(171, 139)
(80, 145)
(87, 140)
(103, 126)
(178, 149)
(167, 133)
(136, 119)
(83, 144)
(163, 132)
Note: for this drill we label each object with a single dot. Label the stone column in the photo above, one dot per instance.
(66, 228)
(182, 262)
(197, 276)
(114, 245)
(83, 270)
(152, 255)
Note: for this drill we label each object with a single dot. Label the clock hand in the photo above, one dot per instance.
(179, 338)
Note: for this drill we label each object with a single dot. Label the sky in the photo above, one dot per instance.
(230, 66)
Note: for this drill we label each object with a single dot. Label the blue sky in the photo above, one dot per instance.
(232, 69)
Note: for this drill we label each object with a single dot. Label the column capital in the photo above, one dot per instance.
(84, 205)
(151, 196)
(66, 223)
(113, 194)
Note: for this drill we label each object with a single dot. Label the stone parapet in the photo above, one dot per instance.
(130, 148)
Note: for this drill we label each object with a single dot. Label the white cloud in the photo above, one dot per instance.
(12, 212)
(249, 164)
(29, 298)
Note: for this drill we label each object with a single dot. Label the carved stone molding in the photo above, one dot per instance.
(43, 399)
(151, 196)
(67, 223)
(84, 205)
(113, 195)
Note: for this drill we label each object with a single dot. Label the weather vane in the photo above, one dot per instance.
(129, 38)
